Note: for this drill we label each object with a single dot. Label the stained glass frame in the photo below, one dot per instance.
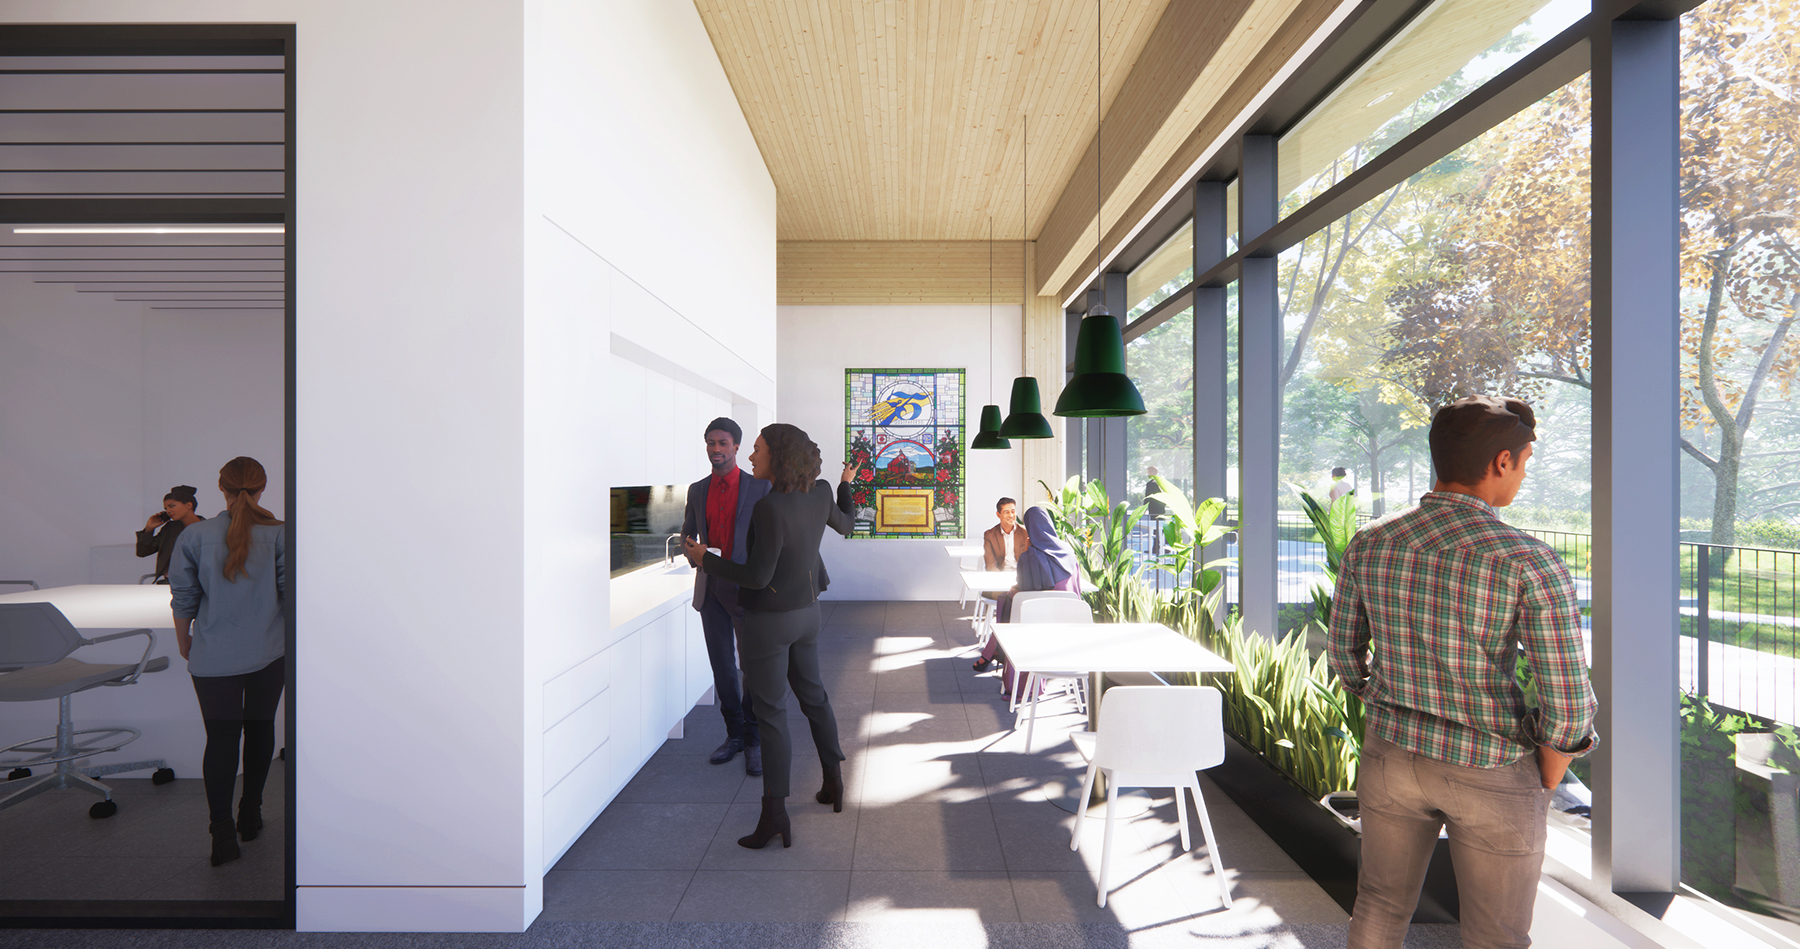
(905, 428)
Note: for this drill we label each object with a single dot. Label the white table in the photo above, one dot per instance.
(1097, 648)
(96, 606)
(977, 582)
(161, 704)
(1104, 647)
(964, 551)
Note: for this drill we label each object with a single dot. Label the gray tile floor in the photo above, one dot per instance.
(155, 848)
(948, 820)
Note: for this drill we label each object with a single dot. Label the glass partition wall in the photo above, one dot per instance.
(1481, 205)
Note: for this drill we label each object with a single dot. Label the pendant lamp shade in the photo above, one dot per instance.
(1100, 387)
(989, 435)
(1025, 416)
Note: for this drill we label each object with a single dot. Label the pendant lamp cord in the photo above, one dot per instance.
(1099, 106)
(991, 309)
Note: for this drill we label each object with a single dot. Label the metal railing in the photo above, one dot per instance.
(1739, 608)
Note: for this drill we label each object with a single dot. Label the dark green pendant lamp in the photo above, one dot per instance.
(989, 435)
(1100, 388)
(1025, 416)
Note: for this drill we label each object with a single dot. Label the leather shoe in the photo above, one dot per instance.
(753, 760)
(727, 751)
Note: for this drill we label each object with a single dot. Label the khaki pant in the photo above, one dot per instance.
(1495, 818)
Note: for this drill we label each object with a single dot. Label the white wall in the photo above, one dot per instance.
(650, 223)
(105, 406)
(819, 342)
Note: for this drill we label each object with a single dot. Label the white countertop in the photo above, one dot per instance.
(641, 591)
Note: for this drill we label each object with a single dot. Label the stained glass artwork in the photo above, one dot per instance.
(904, 428)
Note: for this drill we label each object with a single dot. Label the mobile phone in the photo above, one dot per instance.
(163, 516)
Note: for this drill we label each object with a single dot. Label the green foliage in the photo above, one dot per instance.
(1098, 532)
(1335, 525)
(1287, 706)
(1280, 701)
(1708, 796)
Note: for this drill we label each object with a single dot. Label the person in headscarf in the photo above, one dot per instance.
(1048, 564)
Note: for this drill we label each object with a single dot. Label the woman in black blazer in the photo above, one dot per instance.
(779, 585)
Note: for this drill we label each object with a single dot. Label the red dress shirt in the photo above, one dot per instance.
(721, 510)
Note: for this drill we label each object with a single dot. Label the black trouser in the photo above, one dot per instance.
(721, 649)
(781, 650)
(234, 706)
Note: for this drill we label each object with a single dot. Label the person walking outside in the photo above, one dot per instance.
(1432, 608)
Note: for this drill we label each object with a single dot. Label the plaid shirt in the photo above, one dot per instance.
(1443, 596)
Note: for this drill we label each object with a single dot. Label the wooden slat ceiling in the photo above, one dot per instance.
(102, 128)
(901, 120)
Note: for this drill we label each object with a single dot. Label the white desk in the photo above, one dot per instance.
(161, 704)
(963, 551)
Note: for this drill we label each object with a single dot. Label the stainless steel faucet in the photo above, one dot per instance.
(670, 556)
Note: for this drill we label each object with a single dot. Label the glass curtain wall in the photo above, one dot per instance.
(1740, 506)
(1469, 277)
(1438, 58)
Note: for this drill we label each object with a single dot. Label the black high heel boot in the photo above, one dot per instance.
(225, 845)
(774, 820)
(249, 820)
(832, 791)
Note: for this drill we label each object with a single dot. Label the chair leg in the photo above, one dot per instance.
(1031, 723)
(1212, 845)
(1181, 816)
(1112, 799)
(1087, 788)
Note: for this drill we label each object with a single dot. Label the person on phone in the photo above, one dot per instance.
(1431, 608)
(228, 581)
(164, 527)
(779, 584)
(718, 508)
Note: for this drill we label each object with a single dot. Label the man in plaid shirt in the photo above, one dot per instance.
(1431, 610)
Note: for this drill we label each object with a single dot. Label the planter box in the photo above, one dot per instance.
(1328, 851)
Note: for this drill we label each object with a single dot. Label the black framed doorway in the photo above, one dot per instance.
(161, 160)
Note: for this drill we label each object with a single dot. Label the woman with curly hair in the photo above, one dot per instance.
(779, 585)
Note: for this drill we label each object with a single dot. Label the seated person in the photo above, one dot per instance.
(1048, 564)
(1002, 544)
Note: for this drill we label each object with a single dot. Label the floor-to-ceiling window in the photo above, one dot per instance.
(1740, 506)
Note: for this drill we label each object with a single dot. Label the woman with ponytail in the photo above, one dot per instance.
(229, 579)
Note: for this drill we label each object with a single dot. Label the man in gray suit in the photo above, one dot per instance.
(718, 507)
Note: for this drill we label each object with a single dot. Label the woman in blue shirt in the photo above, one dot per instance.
(228, 579)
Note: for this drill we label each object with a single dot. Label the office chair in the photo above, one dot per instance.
(35, 643)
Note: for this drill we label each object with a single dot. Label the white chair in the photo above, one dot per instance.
(983, 620)
(1155, 736)
(1047, 606)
